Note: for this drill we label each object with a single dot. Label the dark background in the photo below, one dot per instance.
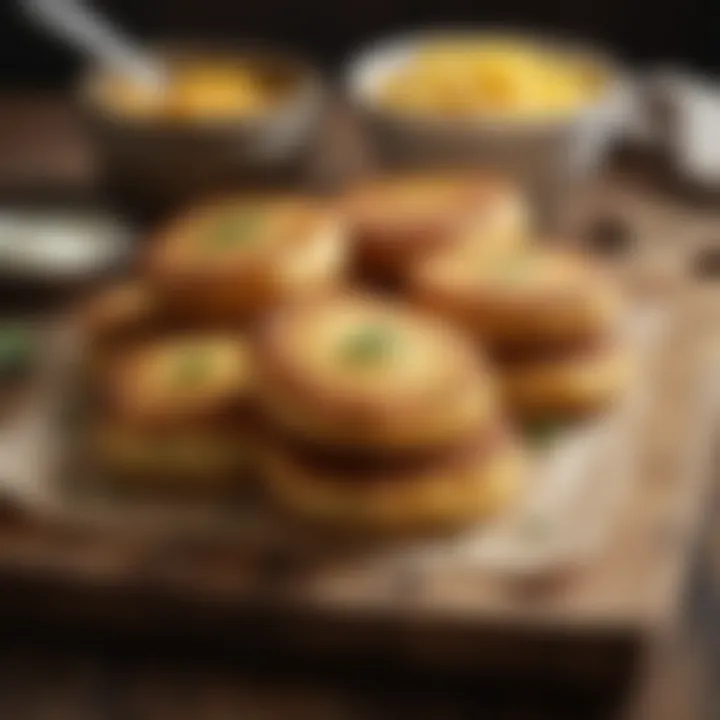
(644, 32)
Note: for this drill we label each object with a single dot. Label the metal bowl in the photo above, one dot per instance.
(157, 162)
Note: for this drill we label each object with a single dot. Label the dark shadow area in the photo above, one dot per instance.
(644, 32)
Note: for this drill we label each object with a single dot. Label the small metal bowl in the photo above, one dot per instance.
(159, 163)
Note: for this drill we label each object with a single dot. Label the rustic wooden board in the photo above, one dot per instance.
(595, 618)
(593, 621)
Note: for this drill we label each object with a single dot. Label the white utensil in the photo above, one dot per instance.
(94, 35)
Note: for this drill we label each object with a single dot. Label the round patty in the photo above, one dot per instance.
(395, 221)
(238, 257)
(533, 296)
(578, 384)
(357, 372)
(457, 491)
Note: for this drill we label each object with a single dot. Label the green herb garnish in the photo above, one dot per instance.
(236, 228)
(17, 348)
(368, 345)
(192, 367)
(543, 432)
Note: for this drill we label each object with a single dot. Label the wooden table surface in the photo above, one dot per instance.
(47, 672)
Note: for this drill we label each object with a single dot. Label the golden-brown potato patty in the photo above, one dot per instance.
(574, 385)
(197, 459)
(181, 381)
(394, 221)
(533, 296)
(459, 491)
(357, 372)
(242, 256)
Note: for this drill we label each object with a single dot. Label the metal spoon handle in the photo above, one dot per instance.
(94, 35)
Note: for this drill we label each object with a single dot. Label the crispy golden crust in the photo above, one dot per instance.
(113, 320)
(117, 316)
(204, 459)
(356, 372)
(361, 463)
(187, 380)
(238, 257)
(117, 311)
(395, 221)
(528, 297)
(577, 385)
(458, 492)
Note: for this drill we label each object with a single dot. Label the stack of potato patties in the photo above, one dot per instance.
(381, 419)
(168, 351)
(550, 318)
(242, 345)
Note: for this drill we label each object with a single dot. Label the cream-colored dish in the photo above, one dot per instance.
(494, 118)
(232, 113)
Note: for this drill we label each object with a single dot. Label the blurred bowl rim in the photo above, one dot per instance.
(107, 237)
(393, 50)
(309, 87)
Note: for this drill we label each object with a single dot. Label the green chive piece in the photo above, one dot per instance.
(234, 229)
(543, 432)
(368, 345)
(17, 348)
(192, 367)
